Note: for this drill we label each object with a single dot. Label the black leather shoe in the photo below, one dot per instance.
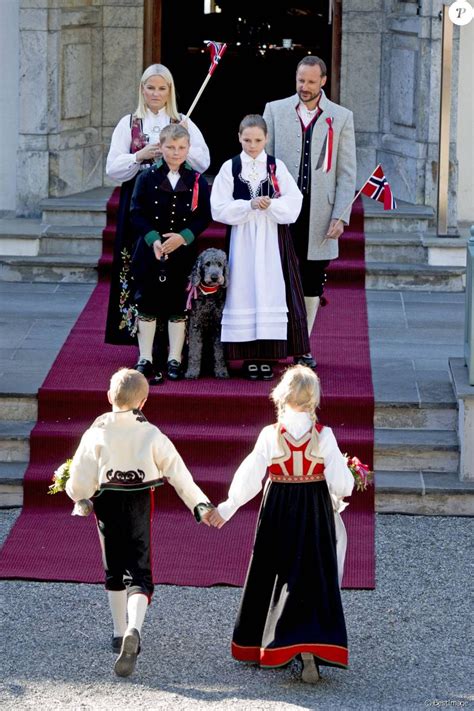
(127, 659)
(116, 644)
(157, 379)
(306, 359)
(145, 368)
(175, 371)
(266, 371)
(250, 370)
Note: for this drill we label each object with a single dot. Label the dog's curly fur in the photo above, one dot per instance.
(205, 317)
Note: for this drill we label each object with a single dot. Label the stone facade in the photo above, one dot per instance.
(80, 62)
(390, 78)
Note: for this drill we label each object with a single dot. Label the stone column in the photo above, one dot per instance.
(78, 60)
(390, 78)
(9, 53)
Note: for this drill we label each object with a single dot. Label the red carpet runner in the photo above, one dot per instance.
(213, 424)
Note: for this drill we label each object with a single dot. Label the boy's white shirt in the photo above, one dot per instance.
(124, 441)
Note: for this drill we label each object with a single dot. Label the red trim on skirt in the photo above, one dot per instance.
(329, 653)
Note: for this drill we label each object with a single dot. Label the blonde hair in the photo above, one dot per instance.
(170, 106)
(299, 387)
(128, 388)
(173, 132)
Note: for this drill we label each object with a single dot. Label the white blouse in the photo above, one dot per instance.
(121, 164)
(248, 478)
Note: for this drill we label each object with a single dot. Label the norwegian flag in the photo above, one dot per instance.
(216, 49)
(377, 188)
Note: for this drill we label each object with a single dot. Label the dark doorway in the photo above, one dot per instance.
(256, 67)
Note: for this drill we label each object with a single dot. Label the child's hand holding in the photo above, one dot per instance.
(215, 519)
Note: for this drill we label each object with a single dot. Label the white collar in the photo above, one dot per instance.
(156, 117)
(297, 423)
(261, 158)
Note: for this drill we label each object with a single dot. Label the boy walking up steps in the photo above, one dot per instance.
(120, 460)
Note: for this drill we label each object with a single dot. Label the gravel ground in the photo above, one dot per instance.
(409, 639)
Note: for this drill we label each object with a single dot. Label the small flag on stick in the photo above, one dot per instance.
(216, 49)
(377, 188)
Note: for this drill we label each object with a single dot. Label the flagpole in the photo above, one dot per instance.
(198, 95)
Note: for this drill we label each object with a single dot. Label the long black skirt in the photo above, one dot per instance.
(121, 309)
(291, 602)
(297, 341)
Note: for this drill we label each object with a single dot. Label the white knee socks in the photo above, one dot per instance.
(118, 608)
(136, 608)
(176, 335)
(146, 335)
(312, 304)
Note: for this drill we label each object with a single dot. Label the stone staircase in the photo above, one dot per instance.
(416, 444)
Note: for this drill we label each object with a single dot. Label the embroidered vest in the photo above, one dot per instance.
(297, 465)
(243, 189)
(304, 175)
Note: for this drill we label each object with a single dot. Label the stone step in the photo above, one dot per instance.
(406, 218)
(18, 407)
(20, 237)
(15, 441)
(421, 277)
(415, 416)
(11, 483)
(72, 240)
(50, 268)
(422, 492)
(408, 450)
(421, 248)
(85, 209)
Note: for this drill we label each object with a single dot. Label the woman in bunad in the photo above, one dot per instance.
(264, 316)
(134, 147)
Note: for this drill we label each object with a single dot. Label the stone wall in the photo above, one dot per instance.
(80, 62)
(390, 78)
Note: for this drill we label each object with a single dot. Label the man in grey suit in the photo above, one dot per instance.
(314, 137)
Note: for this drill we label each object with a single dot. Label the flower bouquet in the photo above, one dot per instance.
(363, 476)
(60, 477)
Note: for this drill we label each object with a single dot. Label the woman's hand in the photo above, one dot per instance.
(173, 242)
(150, 152)
(261, 203)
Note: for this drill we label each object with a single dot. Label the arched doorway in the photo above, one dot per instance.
(257, 67)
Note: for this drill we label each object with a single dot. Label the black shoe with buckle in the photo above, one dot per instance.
(145, 368)
(250, 370)
(306, 359)
(266, 371)
(175, 372)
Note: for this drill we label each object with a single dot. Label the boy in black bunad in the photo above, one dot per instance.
(169, 209)
(120, 460)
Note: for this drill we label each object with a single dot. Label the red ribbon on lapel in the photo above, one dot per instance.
(194, 201)
(329, 143)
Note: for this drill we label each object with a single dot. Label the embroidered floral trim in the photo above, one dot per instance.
(127, 310)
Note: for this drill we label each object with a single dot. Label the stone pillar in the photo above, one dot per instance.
(9, 53)
(78, 60)
(465, 142)
(390, 78)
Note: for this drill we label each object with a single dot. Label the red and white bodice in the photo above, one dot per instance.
(298, 464)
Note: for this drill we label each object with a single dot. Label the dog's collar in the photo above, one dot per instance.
(206, 290)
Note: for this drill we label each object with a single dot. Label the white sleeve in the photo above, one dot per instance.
(338, 476)
(170, 464)
(121, 163)
(247, 481)
(287, 207)
(198, 156)
(83, 479)
(223, 206)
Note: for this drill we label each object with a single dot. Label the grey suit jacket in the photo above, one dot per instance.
(331, 192)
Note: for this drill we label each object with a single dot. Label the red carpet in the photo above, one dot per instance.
(213, 424)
